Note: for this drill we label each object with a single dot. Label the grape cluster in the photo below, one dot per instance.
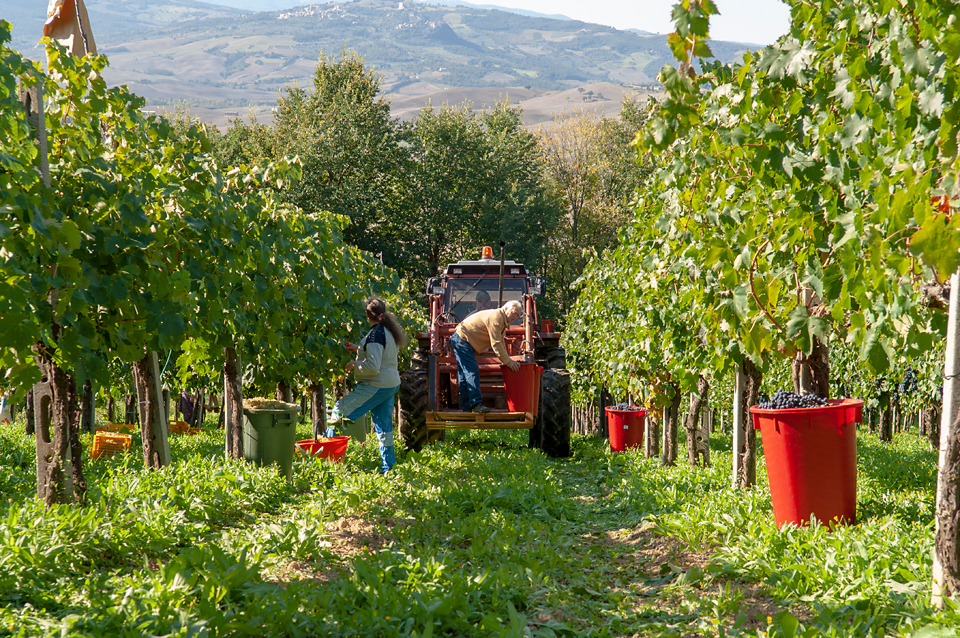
(783, 400)
(627, 406)
(909, 383)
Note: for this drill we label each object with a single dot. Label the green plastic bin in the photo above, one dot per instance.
(270, 436)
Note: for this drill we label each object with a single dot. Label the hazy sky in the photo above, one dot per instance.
(754, 21)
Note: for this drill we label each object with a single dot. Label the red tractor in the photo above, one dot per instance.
(429, 394)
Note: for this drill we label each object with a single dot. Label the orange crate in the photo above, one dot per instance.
(178, 427)
(109, 443)
(115, 427)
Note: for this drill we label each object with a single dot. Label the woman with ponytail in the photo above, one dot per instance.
(378, 379)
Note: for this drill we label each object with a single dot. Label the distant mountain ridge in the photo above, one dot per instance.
(281, 5)
(221, 57)
(522, 12)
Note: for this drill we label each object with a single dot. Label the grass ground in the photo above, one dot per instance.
(476, 536)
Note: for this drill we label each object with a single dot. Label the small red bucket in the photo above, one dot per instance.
(522, 387)
(811, 456)
(334, 447)
(625, 428)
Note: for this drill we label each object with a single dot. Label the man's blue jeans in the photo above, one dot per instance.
(468, 373)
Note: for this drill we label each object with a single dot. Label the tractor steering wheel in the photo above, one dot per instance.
(449, 317)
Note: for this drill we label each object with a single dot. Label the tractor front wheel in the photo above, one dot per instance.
(553, 417)
(413, 409)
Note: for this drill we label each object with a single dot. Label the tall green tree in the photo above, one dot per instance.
(474, 181)
(592, 173)
(349, 148)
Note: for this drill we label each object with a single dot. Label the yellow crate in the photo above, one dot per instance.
(115, 427)
(109, 443)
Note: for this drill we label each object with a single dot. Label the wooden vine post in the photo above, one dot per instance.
(87, 407)
(58, 475)
(284, 392)
(946, 557)
(153, 416)
(670, 428)
(746, 390)
(54, 458)
(811, 373)
(318, 410)
(652, 436)
(233, 404)
(698, 448)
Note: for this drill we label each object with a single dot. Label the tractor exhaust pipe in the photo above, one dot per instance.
(500, 302)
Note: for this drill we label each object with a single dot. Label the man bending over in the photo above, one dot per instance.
(481, 330)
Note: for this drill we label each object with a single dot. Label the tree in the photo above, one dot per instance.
(592, 171)
(473, 181)
(348, 146)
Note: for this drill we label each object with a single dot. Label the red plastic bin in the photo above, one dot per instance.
(522, 387)
(625, 428)
(334, 447)
(811, 457)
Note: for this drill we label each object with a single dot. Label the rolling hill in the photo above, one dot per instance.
(226, 59)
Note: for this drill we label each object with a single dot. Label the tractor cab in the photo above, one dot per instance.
(468, 286)
(429, 392)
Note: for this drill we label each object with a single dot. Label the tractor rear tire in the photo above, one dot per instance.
(420, 358)
(413, 409)
(553, 418)
(551, 357)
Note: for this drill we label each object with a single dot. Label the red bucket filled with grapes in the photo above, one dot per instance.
(810, 449)
(625, 426)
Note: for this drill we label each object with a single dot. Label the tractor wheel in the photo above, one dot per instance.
(553, 418)
(420, 359)
(551, 358)
(413, 409)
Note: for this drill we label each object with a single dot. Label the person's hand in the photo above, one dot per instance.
(352, 347)
(513, 365)
(350, 366)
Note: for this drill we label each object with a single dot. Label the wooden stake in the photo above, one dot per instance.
(946, 561)
(739, 431)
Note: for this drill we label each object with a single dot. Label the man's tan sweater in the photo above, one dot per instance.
(485, 329)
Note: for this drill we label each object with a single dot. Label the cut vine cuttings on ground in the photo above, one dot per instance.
(475, 536)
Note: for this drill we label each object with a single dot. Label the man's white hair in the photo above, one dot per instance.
(514, 305)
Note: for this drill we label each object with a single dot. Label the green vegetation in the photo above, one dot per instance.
(466, 538)
(766, 189)
(803, 202)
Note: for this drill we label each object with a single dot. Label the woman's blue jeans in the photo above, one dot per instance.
(379, 403)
